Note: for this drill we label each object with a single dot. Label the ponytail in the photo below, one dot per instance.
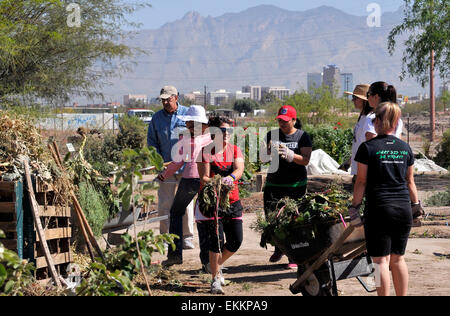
(298, 124)
(391, 95)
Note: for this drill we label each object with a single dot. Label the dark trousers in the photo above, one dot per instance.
(203, 238)
(272, 196)
(187, 189)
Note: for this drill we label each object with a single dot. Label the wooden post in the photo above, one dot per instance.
(40, 230)
(432, 100)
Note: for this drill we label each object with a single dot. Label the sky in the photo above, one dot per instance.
(164, 11)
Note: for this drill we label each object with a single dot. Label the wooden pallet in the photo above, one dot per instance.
(11, 215)
(16, 220)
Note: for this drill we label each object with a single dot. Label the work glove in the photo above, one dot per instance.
(285, 153)
(228, 180)
(417, 210)
(355, 217)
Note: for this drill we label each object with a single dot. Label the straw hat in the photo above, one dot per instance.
(360, 91)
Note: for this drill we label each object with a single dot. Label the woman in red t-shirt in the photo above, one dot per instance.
(225, 159)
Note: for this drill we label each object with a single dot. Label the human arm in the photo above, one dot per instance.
(152, 140)
(204, 171)
(358, 195)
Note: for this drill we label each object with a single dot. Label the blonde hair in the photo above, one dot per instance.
(388, 113)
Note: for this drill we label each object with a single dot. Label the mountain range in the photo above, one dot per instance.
(263, 45)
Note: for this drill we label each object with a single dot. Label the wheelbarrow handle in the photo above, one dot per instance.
(295, 287)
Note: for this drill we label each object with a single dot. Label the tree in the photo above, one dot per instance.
(245, 105)
(43, 54)
(428, 25)
(427, 47)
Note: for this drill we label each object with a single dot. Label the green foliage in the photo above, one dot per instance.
(100, 151)
(427, 24)
(335, 141)
(132, 132)
(439, 199)
(443, 156)
(43, 57)
(115, 276)
(292, 216)
(94, 206)
(318, 108)
(245, 105)
(128, 174)
(15, 273)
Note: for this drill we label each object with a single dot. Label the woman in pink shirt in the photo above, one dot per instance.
(185, 152)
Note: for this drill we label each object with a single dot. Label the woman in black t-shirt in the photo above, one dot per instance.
(291, 149)
(386, 178)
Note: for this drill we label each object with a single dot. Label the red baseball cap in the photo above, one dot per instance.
(287, 113)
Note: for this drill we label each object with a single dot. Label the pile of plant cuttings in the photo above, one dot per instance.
(313, 209)
(207, 198)
(20, 141)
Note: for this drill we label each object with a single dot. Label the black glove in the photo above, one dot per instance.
(417, 210)
(355, 217)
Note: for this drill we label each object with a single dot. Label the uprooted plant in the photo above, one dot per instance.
(293, 215)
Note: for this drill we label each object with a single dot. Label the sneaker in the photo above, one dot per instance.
(277, 255)
(188, 244)
(216, 286)
(171, 261)
(222, 279)
(292, 266)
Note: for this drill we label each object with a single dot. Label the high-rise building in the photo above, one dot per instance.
(314, 81)
(239, 95)
(332, 78)
(218, 97)
(278, 92)
(346, 83)
(255, 92)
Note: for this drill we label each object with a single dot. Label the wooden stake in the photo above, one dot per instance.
(40, 230)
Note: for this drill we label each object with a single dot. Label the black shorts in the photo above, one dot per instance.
(387, 228)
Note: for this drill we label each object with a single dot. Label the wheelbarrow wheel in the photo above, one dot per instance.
(318, 283)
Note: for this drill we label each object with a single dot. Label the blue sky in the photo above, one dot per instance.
(164, 11)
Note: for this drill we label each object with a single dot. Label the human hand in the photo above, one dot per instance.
(355, 217)
(417, 210)
(286, 153)
(228, 180)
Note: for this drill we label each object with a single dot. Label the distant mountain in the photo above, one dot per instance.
(264, 45)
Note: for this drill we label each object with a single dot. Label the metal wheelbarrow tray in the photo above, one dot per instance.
(332, 253)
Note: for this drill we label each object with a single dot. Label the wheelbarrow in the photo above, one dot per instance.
(337, 251)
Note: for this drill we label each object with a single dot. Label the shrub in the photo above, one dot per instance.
(443, 156)
(335, 141)
(439, 199)
(94, 206)
(15, 273)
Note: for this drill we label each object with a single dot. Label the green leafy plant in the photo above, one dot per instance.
(303, 214)
(335, 141)
(439, 199)
(15, 273)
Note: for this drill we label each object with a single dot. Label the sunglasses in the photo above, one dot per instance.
(370, 94)
(228, 130)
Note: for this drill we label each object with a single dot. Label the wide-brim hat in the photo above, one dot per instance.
(287, 113)
(360, 91)
(195, 113)
(167, 92)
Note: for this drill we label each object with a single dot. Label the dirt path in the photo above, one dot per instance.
(249, 273)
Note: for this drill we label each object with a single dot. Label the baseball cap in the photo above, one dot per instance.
(167, 92)
(287, 113)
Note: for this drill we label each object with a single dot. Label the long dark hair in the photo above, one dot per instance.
(366, 109)
(216, 121)
(386, 91)
(298, 124)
